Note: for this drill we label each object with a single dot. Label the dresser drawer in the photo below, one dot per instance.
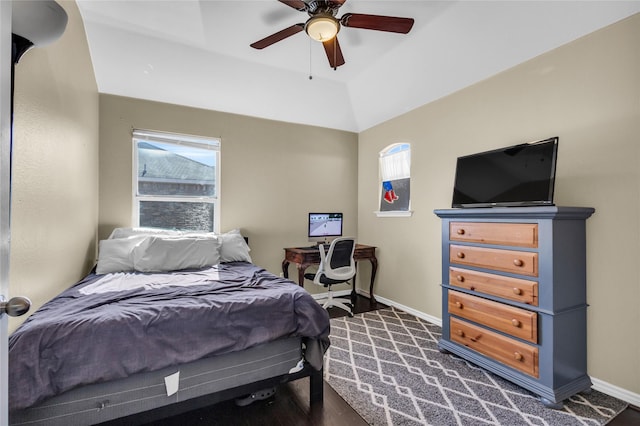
(516, 289)
(508, 234)
(519, 355)
(520, 262)
(508, 319)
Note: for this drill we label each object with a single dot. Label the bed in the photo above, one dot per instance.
(141, 333)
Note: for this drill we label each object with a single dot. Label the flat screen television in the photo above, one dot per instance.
(324, 227)
(518, 175)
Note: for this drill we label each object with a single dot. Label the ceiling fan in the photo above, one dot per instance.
(323, 26)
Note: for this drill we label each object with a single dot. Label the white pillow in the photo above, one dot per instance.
(234, 248)
(165, 253)
(129, 232)
(115, 255)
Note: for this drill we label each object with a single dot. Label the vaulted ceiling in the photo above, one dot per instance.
(197, 53)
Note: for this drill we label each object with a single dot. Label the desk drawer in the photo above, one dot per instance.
(508, 234)
(516, 289)
(519, 355)
(508, 319)
(520, 262)
(362, 252)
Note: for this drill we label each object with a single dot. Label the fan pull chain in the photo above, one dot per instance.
(310, 43)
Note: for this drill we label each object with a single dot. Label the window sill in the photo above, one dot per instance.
(397, 213)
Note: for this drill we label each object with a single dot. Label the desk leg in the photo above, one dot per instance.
(301, 269)
(374, 268)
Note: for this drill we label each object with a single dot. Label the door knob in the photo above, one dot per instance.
(15, 307)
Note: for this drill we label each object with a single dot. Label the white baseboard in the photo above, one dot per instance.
(599, 385)
(615, 391)
(421, 315)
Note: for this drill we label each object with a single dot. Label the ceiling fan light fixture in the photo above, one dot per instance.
(322, 28)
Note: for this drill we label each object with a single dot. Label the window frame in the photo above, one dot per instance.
(389, 151)
(178, 139)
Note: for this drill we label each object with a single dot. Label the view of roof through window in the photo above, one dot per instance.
(202, 155)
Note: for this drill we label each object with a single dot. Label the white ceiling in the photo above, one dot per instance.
(197, 53)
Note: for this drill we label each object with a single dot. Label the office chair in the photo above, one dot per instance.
(338, 266)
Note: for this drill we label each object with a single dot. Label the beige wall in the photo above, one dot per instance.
(273, 173)
(588, 94)
(55, 167)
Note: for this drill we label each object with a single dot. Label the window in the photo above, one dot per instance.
(176, 181)
(395, 179)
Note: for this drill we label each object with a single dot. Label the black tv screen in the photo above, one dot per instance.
(518, 175)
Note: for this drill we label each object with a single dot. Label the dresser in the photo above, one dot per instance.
(514, 295)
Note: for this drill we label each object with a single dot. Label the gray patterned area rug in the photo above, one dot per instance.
(387, 366)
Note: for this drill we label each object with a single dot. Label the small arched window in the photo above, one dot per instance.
(395, 180)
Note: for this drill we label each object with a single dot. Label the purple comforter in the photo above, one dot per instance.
(111, 326)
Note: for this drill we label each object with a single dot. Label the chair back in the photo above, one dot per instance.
(338, 264)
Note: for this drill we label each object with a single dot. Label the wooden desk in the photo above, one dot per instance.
(304, 257)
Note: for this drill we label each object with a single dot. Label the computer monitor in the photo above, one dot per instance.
(324, 227)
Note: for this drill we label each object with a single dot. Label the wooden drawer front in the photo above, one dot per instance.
(519, 355)
(364, 252)
(508, 234)
(508, 319)
(520, 262)
(516, 289)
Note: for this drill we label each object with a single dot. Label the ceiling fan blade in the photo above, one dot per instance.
(296, 4)
(377, 22)
(334, 53)
(276, 37)
(337, 2)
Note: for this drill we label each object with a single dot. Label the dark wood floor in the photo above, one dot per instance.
(290, 405)
(629, 417)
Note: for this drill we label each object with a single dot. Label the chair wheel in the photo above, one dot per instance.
(350, 314)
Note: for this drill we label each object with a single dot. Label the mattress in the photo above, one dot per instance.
(102, 402)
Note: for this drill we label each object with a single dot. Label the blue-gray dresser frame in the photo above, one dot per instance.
(562, 297)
